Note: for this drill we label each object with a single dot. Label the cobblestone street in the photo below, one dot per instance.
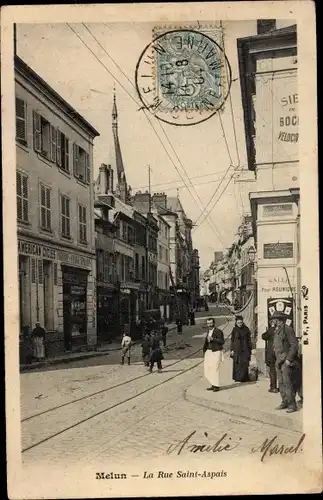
(122, 412)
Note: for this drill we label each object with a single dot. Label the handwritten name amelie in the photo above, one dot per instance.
(220, 445)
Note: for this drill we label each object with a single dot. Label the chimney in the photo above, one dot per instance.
(103, 179)
(160, 199)
(265, 26)
(110, 179)
(141, 202)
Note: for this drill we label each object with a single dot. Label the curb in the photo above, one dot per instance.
(86, 355)
(278, 420)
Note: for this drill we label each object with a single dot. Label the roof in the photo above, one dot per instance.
(26, 71)
(282, 38)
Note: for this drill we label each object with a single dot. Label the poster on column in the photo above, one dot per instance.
(285, 306)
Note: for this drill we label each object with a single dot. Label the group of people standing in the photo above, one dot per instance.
(152, 352)
(282, 357)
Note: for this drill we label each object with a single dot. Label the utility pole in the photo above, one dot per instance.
(149, 188)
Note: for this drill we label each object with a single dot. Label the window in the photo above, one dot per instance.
(137, 266)
(143, 269)
(44, 137)
(45, 207)
(65, 217)
(166, 256)
(22, 197)
(62, 151)
(21, 121)
(82, 223)
(81, 164)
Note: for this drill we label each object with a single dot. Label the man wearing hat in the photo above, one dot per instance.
(285, 348)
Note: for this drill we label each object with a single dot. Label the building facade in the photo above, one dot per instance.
(268, 76)
(56, 241)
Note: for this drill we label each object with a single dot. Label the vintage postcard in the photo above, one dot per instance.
(161, 255)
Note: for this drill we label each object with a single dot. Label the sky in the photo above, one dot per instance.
(199, 152)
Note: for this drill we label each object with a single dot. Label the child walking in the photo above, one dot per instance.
(126, 348)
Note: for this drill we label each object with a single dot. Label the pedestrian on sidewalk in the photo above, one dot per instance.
(145, 349)
(164, 331)
(126, 348)
(241, 348)
(192, 317)
(179, 325)
(213, 355)
(270, 359)
(38, 338)
(156, 354)
(286, 350)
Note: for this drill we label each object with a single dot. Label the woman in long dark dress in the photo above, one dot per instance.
(241, 348)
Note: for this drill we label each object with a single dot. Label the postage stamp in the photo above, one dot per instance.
(183, 77)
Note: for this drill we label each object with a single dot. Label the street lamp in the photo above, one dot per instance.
(252, 254)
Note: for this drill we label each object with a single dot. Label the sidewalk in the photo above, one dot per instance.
(95, 352)
(250, 400)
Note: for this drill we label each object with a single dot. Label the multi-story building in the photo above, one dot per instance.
(163, 263)
(108, 321)
(268, 78)
(56, 239)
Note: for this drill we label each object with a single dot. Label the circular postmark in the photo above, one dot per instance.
(183, 77)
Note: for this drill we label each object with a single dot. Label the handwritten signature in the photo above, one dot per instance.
(225, 444)
(221, 444)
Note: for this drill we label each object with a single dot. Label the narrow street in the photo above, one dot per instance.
(99, 409)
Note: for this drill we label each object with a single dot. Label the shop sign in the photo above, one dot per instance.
(278, 284)
(278, 250)
(278, 210)
(73, 259)
(285, 118)
(283, 305)
(36, 249)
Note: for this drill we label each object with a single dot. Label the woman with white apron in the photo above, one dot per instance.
(213, 355)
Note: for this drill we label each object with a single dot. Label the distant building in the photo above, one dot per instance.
(56, 242)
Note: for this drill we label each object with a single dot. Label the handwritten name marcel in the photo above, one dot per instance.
(270, 447)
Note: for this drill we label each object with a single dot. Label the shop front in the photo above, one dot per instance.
(56, 290)
(108, 323)
(74, 306)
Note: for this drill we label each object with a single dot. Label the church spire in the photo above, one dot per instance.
(122, 187)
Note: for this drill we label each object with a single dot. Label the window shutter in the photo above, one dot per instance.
(58, 148)
(53, 140)
(40, 271)
(76, 159)
(25, 198)
(37, 131)
(66, 152)
(87, 168)
(19, 196)
(21, 120)
(48, 206)
(33, 270)
(42, 206)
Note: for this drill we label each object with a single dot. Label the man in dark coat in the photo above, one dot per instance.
(156, 354)
(270, 359)
(286, 350)
(241, 348)
(192, 317)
